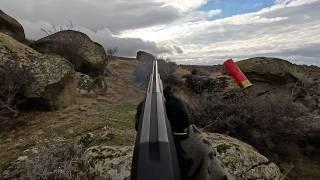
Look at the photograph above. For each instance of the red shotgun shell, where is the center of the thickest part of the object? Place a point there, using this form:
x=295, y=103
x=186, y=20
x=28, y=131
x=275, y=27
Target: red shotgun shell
x=234, y=71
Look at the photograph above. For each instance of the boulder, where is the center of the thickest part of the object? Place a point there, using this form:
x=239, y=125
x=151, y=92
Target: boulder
x=84, y=84
x=142, y=56
x=86, y=55
x=53, y=76
x=109, y=162
x=278, y=71
x=240, y=159
x=11, y=27
x=89, y=86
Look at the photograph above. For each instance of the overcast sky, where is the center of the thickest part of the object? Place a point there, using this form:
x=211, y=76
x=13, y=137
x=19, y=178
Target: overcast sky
x=187, y=31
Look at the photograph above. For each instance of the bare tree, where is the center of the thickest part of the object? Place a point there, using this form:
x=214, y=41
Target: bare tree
x=111, y=52
x=55, y=29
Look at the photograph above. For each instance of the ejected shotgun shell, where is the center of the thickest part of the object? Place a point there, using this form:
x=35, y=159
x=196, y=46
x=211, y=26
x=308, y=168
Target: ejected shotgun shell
x=234, y=71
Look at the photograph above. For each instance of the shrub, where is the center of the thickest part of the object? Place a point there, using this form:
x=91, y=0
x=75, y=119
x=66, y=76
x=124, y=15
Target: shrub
x=270, y=123
x=201, y=84
x=14, y=81
x=57, y=161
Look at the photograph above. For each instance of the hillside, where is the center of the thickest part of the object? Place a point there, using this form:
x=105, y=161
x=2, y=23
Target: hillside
x=113, y=112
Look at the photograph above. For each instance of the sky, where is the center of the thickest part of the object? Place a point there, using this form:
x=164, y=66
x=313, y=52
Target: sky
x=186, y=31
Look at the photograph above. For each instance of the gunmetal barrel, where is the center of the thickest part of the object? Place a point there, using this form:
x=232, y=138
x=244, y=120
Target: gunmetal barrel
x=155, y=156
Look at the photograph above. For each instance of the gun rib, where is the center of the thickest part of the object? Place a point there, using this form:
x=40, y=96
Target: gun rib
x=155, y=155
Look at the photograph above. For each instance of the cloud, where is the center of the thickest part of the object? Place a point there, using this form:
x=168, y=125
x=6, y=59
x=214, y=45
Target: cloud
x=126, y=46
x=185, y=5
x=178, y=49
x=116, y=15
x=180, y=29
x=214, y=12
x=281, y=31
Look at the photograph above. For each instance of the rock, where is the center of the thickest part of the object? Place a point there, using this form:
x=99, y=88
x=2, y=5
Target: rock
x=100, y=85
x=84, y=84
x=278, y=71
x=87, y=139
x=240, y=159
x=141, y=56
x=109, y=162
x=87, y=56
x=53, y=77
x=88, y=86
x=11, y=27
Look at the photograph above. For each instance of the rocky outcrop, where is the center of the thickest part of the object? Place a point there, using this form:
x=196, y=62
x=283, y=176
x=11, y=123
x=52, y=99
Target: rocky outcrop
x=142, y=56
x=87, y=56
x=11, y=27
x=240, y=159
x=304, y=80
x=278, y=71
x=53, y=85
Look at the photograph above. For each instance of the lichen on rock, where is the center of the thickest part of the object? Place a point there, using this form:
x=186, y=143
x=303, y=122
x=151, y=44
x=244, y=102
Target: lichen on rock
x=240, y=159
x=53, y=83
x=109, y=162
x=86, y=55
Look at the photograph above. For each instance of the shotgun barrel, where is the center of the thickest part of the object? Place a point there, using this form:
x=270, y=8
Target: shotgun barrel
x=155, y=156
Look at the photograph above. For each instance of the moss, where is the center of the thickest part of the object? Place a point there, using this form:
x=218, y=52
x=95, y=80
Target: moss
x=223, y=148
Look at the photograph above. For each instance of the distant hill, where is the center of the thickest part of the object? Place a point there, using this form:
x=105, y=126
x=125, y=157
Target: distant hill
x=123, y=58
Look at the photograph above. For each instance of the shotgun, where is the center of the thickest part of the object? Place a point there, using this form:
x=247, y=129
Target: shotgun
x=155, y=156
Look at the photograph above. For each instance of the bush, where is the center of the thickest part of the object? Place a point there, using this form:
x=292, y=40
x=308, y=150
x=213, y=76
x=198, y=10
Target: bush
x=200, y=84
x=57, y=161
x=166, y=69
x=14, y=81
x=270, y=123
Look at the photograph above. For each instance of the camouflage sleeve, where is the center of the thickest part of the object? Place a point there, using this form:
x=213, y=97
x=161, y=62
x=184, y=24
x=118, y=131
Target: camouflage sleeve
x=204, y=163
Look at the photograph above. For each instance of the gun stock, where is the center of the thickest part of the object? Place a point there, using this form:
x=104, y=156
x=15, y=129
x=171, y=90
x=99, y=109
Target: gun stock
x=155, y=156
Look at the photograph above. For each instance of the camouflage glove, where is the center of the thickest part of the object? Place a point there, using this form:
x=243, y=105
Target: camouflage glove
x=203, y=163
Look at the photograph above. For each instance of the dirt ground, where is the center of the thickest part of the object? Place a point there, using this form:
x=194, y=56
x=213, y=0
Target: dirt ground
x=115, y=111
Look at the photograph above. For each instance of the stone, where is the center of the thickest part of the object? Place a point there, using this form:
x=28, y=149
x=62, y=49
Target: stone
x=278, y=71
x=11, y=27
x=87, y=86
x=84, y=84
x=53, y=76
x=87, y=139
x=86, y=55
x=240, y=159
x=142, y=56
x=109, y=162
